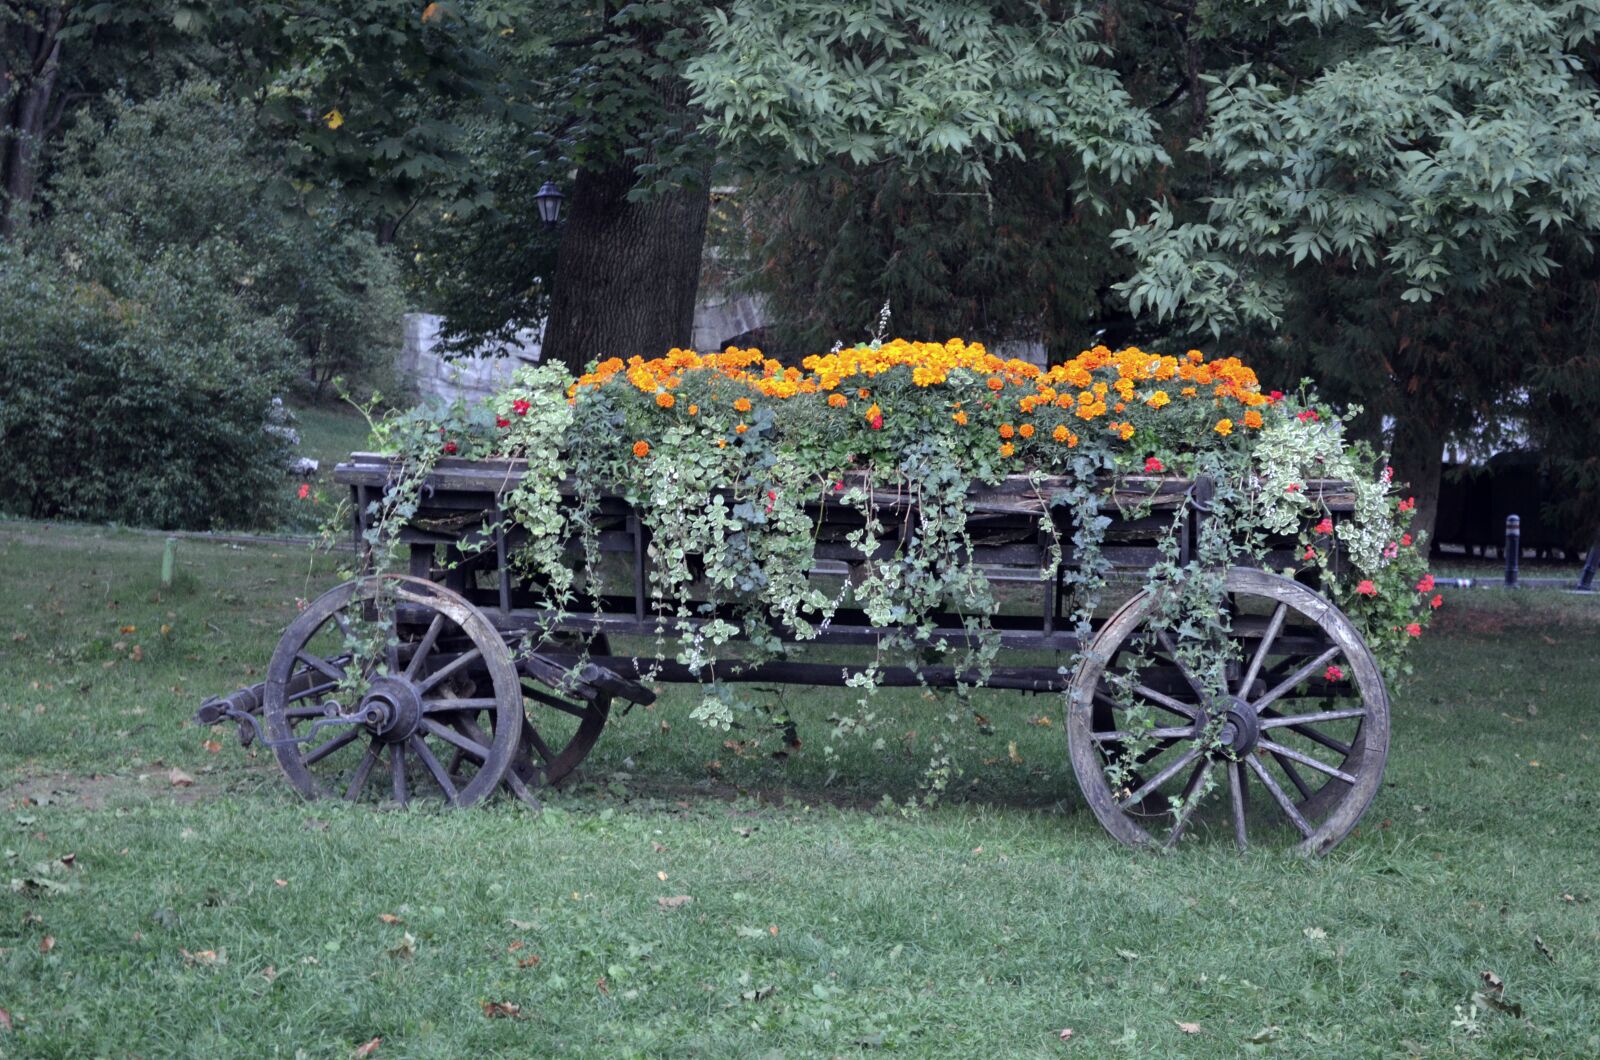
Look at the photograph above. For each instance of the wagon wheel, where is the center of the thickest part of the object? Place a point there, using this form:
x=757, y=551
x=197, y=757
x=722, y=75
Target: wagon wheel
x=1294, y=747
x=435, y=685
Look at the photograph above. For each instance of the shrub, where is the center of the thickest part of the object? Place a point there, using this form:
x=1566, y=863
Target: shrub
x=145, y=402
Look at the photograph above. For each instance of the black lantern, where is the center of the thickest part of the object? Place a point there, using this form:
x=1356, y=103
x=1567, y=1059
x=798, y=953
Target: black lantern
x=549, y=200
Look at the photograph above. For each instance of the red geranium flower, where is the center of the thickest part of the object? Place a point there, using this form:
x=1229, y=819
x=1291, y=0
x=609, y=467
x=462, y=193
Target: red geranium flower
x=876, y=423
x=1366, y=588
x=1414, y=629
x=521, y=407
x=1408, y=504
x=1437, y=601
x=1405, y=539
x=1308, y=416
x=501, y=421
x=1426, y=584
x=1275, y=397
x=1152, y=466
x=1293, y=487
x=1325, y=527
x=1333, y=673
x=305, y=490
x=449, y=448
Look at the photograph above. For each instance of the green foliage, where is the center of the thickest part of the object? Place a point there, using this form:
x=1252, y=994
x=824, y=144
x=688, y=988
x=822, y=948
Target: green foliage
x=144, y=402
x=184, y=177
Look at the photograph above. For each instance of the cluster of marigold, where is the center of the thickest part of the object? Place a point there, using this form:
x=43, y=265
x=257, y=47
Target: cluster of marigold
x=1097, y=390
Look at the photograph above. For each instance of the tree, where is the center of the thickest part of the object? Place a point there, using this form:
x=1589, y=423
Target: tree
x=1383, y=188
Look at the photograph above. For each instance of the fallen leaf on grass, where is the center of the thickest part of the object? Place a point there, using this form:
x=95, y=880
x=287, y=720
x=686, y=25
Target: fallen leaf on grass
x=269, y=973
x=204, y=958
x=531, y=961
x=1011, y=753
x=677, y=901
x=47, y=944
x=515, y=946
x=390, y=918
x=1189, y=1028
x=281, y=883
x=497, y=1010
x=662, y=876
x=1495, y=1002
x=367, y=1049
x=179, y=779
x=1492, y=981
x=211, y=745
x=1065, y=1034
x=1264, y=1035
x=407, y=948
x=137, y=655
x=1315, y=934
x=659, y=848
x=126, y=630
x=749, y=933
x=1544, y=951
x=760, y=993
x=1127, y=955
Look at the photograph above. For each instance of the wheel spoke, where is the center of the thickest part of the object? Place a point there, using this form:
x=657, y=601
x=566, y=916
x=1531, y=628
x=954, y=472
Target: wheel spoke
x=1151, y=734
x=321, y=665
x=1295, y=678
x=364, y=770
x=1160, y=699
x=346, y=737
x=1294, y=776
x=1263, y=648
x=1284, y=802
x=538, y=744
x=1191, y=799
x=1160, y=778
x=581, y=713
x=449, y=668
x=1238, y=796
x=438, y=706
x=1271, y=719
x=397, y=767
x=450, y=736
x=424, y=646
x=311, y=690
x=1281, y=752
x=439, y=773
x=1188, y=675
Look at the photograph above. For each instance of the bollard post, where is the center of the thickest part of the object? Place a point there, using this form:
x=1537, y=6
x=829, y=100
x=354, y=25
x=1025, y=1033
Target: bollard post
x=1513, y=549
x=169, y=561
x=1586, y=579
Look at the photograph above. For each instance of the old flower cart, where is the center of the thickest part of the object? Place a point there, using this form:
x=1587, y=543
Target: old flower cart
x=473, y=680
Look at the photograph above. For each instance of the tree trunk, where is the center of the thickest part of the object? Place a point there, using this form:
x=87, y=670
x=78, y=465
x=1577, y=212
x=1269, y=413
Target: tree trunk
x=22, y=120
x=627, y=272
x=1418, y=461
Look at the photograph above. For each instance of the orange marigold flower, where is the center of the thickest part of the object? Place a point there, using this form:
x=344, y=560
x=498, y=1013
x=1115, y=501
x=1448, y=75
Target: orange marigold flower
x=741, y=428
x=1026, y=430
x=665, y=400
x=641, y=449
x=722, y=443
x=694, y=410
x=1224, y=427
x=1252, y=419
x=960, y=418
x=996, y=383
x=1006, y=430
x=838, y=401
x=1007, y=449
x=1158, y=399
x=1060, y=434
x=863, y=393
x=1119, y=407
x=741, y=405
x=1188, y=391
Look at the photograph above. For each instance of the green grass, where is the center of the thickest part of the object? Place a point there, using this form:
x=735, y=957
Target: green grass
x=981, y=927
x=329, y=433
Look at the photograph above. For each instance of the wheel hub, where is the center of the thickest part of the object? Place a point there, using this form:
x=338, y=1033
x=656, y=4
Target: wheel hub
x=391, y=709
x=1240, y=727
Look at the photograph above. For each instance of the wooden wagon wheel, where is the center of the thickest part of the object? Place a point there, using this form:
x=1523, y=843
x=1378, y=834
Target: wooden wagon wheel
x=1294, y=747
x=439, y=686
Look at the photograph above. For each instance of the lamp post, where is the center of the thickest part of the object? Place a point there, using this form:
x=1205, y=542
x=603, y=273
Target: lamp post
x=549, y=200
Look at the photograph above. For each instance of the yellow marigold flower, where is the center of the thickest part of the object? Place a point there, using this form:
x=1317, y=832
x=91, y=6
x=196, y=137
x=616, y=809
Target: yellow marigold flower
x=960, y=418
x=1060, y=434
x=838, y=401
x=1188, y=391
x=995, y=383
x=1224, y=427
x=641, y=449
x=1252, y=419
x=741, y=428
x=1125, y=431
x=741, y=405
x=1007, y=449
x=1195, y=356
x=1006, y=430
x=665, y=400
x=1026, y=430
x=1158, y=399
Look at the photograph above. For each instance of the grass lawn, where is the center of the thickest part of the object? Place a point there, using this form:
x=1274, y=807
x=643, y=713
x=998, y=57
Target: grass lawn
x=227, y=917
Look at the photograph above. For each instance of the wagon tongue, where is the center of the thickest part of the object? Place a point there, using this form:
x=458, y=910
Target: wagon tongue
x=385, y=714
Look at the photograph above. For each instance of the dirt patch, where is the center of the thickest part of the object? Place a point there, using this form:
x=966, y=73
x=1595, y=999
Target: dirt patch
x=96, y=790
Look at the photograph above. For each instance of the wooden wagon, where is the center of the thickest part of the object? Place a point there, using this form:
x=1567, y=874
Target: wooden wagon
x=479, y=683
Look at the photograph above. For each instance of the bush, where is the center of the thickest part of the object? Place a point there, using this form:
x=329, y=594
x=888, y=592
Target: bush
x=145, y=402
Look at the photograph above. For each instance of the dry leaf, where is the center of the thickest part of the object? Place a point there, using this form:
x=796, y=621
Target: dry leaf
x=281, y=883
x=1065, y=1034
x=502, y=1010
x=68, y=859
x=1492, y=981
x=1264, y=1035
x=390, y=918
x=1315, y=934
x=1011, y=753
x=179, y=779
x=600, y=985
x=407, y=948
x=212, y=746
x=269, y=973
x=137, y=655
x=1188, y=1028
x=125, y=630
x=772, y=929
x=204, y=958
x=760, y=993
x=5, y=1020
x=659, y=848
x=661, y=876
x=530, y=961
x=1544, y=951
x=368, y=1048
x=47, y=944
x=430, y=12
x=675, y=902
x=515, y=946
